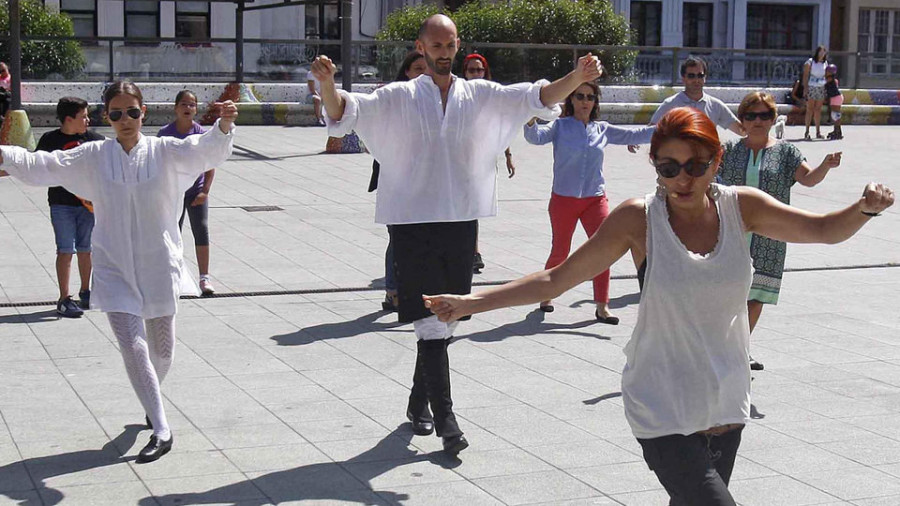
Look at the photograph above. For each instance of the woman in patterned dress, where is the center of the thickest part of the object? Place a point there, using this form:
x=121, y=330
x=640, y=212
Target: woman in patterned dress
x=773, y=166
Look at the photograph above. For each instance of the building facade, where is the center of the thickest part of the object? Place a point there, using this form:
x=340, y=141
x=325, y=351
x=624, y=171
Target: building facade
x=729, y=26
x=869, y=26
x=135, y=19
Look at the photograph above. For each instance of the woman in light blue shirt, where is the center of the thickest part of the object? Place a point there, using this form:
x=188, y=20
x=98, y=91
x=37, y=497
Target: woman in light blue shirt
x=579, y=191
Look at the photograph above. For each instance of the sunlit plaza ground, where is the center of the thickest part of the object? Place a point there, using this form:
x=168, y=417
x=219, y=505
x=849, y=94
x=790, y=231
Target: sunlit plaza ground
x=300, y=396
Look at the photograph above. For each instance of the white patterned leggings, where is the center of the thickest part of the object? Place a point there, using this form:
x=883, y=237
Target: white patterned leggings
x=148, y=357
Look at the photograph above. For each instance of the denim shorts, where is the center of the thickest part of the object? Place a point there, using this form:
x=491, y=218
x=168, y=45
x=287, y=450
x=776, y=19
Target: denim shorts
x=72, y=226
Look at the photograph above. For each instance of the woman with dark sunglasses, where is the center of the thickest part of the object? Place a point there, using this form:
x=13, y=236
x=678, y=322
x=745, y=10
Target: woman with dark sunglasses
x=761, y=161
x=579, y=188
x=137, y=186
x=686, y=384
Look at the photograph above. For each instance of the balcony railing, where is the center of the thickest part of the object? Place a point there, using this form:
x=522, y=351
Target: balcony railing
x=215, y=60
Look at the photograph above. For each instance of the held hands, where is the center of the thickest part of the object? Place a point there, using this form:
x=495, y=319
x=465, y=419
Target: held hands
x=227, y=114
x=875, y=199
x=447, y=307
x=588, y=68
x=323, y=69
x=832, y=160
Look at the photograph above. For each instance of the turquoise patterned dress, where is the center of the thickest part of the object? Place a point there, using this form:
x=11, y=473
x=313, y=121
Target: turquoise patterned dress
x=772, y=171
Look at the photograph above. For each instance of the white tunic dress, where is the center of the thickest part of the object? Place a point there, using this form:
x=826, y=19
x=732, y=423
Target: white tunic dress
x=138, y=196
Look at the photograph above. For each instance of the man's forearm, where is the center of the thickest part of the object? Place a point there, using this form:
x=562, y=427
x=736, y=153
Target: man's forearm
x=558, y=90
x=334, y=104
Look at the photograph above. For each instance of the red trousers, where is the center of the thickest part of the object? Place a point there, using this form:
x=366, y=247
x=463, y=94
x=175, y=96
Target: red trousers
x=564, y=215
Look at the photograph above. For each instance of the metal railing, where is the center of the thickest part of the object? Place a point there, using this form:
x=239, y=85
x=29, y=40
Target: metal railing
x=176, y=59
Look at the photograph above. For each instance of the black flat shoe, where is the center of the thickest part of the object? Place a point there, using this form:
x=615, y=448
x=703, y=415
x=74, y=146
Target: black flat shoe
x=420, y=427
x=609, y=320
x=155, y=449
x=547, y=308
x=454, y=445
x=756, y=366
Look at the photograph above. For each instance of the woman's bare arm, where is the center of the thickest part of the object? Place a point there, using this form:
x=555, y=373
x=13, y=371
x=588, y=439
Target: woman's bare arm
x=612, y=240
x=764, y=215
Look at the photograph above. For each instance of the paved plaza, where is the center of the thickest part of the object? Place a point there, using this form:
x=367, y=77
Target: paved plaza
x=295, y=393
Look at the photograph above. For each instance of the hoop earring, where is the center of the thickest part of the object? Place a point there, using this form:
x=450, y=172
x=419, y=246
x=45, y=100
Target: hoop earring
x=661, y=191
x=714, y=191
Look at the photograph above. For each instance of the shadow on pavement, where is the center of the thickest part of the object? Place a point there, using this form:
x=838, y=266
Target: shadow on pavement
x=41, y=468
x=596, y=400
x=321, y=481
x=531, y=325
x=350, y=328
x=615, y=302
x=40, y=316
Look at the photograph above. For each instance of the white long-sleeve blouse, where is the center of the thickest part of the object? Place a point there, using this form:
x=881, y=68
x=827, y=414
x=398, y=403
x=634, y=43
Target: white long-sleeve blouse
x=137, y=250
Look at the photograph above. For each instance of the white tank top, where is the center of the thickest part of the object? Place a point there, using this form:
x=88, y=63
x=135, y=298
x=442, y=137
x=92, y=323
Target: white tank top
x=816, y=73
x=687, y=363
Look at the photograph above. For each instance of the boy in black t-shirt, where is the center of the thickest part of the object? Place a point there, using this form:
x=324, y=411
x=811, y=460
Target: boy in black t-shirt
x=72, y=217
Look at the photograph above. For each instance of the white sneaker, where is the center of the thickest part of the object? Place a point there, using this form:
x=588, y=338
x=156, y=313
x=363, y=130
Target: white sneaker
x=206, y=287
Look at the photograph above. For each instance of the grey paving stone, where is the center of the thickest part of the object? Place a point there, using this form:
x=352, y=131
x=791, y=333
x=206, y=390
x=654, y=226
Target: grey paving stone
x=440, y=494
x=260, y=375
x=357, y=427
x=254, y=436
x=582, y=454
x=803, y=459
x=19, y=498
x=396, y=446
x=536, y=487
x=777, y=490
x=618, y=478
x=850, y=483
x=484, y=464
x=185, y=464
x=100, y=494
x=232, y=488
x=280, y=457
x=878, y=501
x=312, y=482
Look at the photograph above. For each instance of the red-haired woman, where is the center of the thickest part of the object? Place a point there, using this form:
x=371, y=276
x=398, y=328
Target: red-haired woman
x=685, y=385
x=475, y=66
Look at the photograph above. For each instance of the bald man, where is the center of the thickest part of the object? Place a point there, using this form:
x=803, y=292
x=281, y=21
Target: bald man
x=437, y=138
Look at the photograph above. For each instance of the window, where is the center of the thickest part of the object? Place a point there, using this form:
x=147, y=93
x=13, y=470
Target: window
x=323, y=22
x=779, y=26
x=83, y=14
x=697, y=24
x=864, y=30
x=646, y=21
x=141, y=18
x=879, y=33
x=192, y=20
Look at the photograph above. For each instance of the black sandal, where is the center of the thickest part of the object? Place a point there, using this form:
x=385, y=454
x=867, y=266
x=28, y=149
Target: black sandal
x=609, y=320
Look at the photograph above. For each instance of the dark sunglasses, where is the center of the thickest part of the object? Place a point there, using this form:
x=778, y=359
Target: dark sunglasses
x=765, y=116
x=589, y=97
x=133, y=113
x=691, y=75
x=694, y=168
